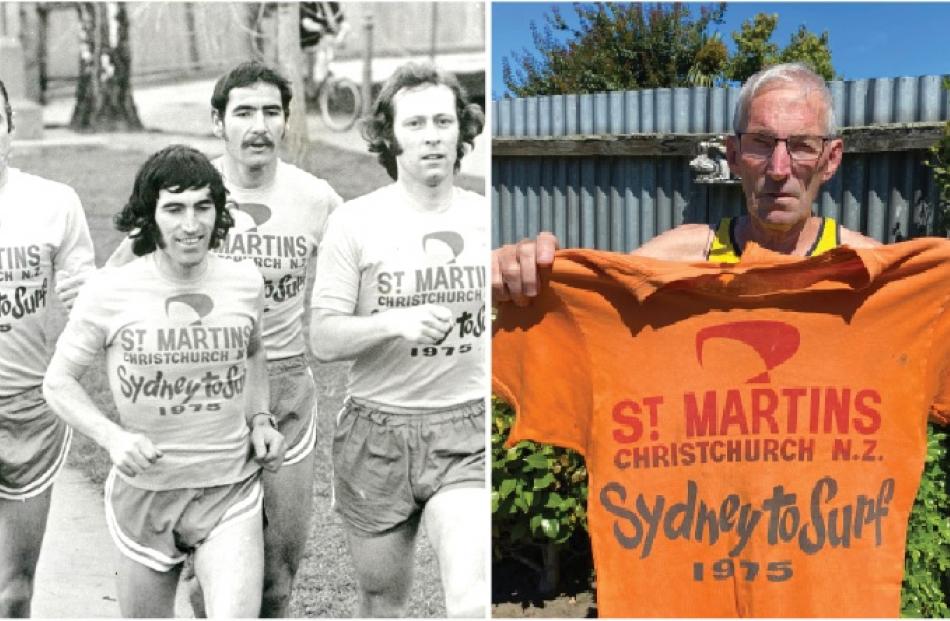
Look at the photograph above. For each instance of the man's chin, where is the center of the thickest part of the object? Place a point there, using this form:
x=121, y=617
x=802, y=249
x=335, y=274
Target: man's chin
x=777, y=218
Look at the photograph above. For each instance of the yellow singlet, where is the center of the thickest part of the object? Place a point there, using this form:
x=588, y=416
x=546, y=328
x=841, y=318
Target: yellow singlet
x=724, y=248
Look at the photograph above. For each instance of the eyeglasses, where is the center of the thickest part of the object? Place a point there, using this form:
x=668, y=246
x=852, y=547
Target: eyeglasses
x=805, y=149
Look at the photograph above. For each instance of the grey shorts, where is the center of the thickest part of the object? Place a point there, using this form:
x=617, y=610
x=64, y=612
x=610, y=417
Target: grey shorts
x=386, y=466
x=160, y=528
x=293, y=401
x=34, y=443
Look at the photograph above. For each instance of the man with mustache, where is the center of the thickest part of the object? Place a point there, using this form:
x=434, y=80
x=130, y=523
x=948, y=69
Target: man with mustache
x=784, y=148
x=250, y=110
x=280, y=213
x=43, y=235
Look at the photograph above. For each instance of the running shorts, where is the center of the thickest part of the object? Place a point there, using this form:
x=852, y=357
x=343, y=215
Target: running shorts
x=387, y=465
x=293, y=403
x=159, y=529
x=34, y=443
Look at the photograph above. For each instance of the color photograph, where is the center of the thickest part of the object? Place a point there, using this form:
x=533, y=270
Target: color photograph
x=719, y=277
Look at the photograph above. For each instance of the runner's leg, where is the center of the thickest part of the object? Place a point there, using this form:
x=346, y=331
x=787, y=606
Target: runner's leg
x=22, y=525
x=383, y=566
x=288, y=504
x=230, y=567
x=456, y=522
x=145, y=592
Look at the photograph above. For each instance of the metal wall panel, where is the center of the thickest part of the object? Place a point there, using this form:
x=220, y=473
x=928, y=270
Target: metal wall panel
x=618, y=203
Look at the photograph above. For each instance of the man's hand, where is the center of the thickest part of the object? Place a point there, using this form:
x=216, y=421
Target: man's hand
x=427, y=324
x=516, y=268
x=67, y=287
x=132, y=453
x=268, y=443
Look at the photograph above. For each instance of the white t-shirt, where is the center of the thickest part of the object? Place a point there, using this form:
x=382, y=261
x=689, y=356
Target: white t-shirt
x=380, y=253
x=176, y=360
x=288, y=218
x=43, y=232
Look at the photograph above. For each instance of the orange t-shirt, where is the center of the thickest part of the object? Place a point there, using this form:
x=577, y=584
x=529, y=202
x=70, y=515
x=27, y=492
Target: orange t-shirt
x=754, y=433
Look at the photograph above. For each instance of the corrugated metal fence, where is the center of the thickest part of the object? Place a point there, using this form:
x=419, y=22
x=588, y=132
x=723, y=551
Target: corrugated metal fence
x=619, y=202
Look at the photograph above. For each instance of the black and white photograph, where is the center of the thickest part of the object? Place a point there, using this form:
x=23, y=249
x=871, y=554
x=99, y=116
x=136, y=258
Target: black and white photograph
x=243, y=310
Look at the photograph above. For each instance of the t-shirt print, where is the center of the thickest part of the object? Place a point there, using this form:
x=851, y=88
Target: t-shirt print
x=754, y=433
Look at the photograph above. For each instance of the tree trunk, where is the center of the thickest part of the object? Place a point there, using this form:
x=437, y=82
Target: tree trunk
x=30, y=42
x=42, y=50
x=104, y=92
x=291, y=61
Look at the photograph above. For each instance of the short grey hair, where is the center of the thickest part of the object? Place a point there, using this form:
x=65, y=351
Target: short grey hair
x=797, y=74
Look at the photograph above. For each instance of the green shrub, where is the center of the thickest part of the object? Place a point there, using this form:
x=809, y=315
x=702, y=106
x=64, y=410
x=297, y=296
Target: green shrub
x=927, y=560
x=939, y=163
x=539, y=492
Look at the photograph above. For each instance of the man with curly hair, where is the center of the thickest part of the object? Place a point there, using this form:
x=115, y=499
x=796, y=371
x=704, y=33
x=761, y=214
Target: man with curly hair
x=400, y=291
x=181, y=331
x=281, y=212
x=43, y=236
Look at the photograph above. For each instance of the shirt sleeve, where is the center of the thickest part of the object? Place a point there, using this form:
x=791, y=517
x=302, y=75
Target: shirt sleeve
x=541, y=367
x=75, y=254
x=256, y=342
x=337, y=282
x=85, y=333
x=333, y=200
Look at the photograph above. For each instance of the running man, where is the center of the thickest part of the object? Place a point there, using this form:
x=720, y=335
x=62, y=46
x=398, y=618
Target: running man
x=281, y=212
x=400, y=290
x=43, y=236
x=181, y=331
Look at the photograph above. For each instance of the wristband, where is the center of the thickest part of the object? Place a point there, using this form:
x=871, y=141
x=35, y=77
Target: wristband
x=271, y=419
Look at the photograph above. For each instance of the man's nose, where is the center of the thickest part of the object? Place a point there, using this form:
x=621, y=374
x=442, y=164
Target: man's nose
x=431, y=133
x=258, y=123
x=190, y=223
x=780, y=163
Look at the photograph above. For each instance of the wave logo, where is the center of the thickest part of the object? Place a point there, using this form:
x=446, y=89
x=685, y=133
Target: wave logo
x=259, y=213
x=773, y=341
x=442, y=247
x=188, y=308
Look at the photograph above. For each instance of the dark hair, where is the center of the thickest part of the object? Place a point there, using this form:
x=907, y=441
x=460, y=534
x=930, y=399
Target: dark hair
x=247, y=74
x=7, y=108
x=377, y=128
x=175, y=167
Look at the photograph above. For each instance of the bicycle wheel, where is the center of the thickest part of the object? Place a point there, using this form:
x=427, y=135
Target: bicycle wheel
x=340, y=103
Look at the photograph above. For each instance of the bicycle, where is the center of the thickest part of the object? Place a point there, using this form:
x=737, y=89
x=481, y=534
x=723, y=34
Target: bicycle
x=340, y=101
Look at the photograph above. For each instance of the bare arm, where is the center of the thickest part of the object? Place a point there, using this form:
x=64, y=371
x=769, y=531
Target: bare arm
x=339, y=336
x=517, y=269
x=857, y=240
x=268, y=443
x=307, y=318
x=687, y=242
x=132, y=453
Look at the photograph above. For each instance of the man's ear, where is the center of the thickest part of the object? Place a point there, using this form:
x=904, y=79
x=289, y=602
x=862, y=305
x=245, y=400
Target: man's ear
x=217, y=124
x=835, y=154
x=732, y=150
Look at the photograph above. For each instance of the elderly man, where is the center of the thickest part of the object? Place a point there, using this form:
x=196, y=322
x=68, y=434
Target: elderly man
x=784, y=148
x=43, y=235
x=399, y=290
x=751, y=413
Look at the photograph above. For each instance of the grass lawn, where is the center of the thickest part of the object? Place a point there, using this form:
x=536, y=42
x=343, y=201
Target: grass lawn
x=103, y=179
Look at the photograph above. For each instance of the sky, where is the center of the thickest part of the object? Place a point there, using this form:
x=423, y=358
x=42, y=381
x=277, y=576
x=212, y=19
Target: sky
x=868, y=39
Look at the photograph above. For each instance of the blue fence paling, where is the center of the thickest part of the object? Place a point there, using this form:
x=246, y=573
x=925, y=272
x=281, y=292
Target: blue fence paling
x=619, y=202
